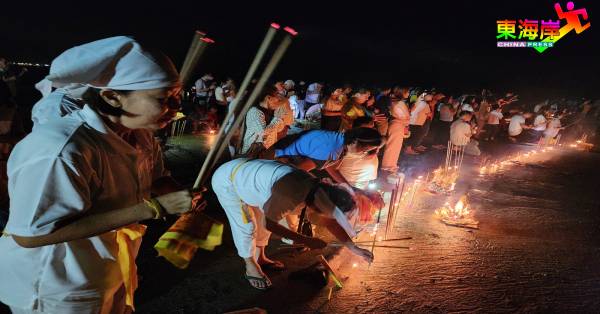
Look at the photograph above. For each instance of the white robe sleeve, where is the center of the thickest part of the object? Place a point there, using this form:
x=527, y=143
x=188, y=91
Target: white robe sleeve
x=46, y=191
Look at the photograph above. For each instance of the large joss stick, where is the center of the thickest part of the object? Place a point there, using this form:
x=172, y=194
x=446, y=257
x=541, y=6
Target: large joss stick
x=213, y=153
x=195, y=41
x=194, y=229
x=197, y=48
x=237, y=105
x=219, y=147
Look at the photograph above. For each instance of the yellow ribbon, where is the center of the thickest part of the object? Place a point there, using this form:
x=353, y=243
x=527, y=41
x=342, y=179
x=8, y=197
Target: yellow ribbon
x=126, y=258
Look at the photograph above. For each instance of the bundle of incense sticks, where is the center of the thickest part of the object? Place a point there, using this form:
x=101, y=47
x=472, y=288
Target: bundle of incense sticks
x=194, y=229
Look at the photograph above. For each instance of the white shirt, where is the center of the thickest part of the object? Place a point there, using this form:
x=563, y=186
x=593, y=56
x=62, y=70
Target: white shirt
x=200, y=84
x=495, y=117
x=515, y=128
x=65, y=167
x=539, y=124
x=358, y=169
x=460, y=133
x=312, y=94
x=418, y=116
x=553, y=128
x=293, y=100
x=253, y=180
x=399, y=111
x=219, y=94
x=467, y=107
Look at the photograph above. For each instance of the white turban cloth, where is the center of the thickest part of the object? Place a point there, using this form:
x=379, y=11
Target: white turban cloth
x=118, y=63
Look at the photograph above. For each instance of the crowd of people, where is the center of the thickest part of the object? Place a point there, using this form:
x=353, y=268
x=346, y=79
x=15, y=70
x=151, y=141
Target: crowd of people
x=92, y=168
x=412, y=120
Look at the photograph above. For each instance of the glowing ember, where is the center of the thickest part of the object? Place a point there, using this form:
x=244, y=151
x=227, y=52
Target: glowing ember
x=483, y=170
x=458, y=215
x=354, y=265
x=578, y=141
x=212, y=132
x=573, y=145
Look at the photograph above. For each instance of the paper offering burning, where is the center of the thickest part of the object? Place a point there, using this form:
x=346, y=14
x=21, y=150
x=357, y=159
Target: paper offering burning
x=458, y=215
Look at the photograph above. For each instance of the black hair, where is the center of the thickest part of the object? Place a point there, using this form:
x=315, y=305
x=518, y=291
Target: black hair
x=92, y=97
x=363, y=137
x=268, y=90
x=360, y=121
x=340, y=197
x=495, y=107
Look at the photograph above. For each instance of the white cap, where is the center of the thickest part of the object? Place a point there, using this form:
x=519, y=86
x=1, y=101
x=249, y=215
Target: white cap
x=118, y=63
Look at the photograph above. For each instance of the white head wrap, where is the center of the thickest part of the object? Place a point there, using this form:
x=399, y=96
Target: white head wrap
x=118, y=63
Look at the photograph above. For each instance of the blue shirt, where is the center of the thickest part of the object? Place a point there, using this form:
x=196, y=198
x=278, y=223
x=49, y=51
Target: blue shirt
x=315, y=144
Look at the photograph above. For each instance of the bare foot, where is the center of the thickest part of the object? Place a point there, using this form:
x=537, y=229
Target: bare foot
x=268, y=263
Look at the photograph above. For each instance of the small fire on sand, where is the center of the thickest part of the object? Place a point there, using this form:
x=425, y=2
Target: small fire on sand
x=458, y=215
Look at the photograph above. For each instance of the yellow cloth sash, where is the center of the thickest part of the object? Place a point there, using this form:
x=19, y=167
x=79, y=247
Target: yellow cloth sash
x=128, y=248
x=245, y=215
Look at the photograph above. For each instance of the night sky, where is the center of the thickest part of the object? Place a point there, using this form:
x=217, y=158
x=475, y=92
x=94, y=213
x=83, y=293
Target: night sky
x=449, y=45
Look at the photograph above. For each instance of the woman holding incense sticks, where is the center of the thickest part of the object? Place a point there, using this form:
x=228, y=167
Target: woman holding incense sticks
x=81, y=181
x=256, y=194
x=264, y=121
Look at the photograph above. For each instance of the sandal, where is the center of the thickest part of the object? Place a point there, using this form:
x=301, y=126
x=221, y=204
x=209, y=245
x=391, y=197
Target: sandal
x=263, y=280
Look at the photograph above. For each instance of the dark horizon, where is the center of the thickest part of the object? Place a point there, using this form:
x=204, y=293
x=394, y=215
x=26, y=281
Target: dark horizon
x=449, y=46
